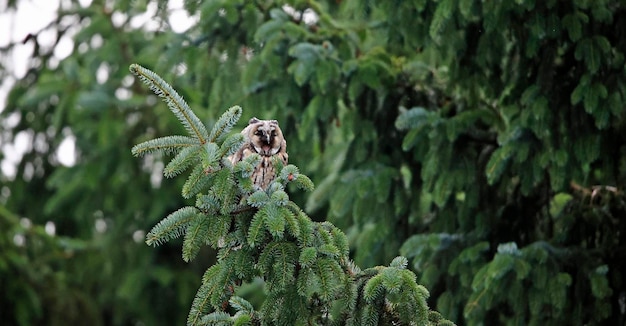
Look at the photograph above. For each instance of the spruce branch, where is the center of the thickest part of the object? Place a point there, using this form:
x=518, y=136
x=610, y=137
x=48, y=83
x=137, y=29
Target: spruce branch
x=182, y=161
x=175, y=102
x=225, y=123
x=201, y=304
x=255, y=233
x=231, y=144
x=218, y=229
x=217, y=318
x=241, y=304
x=195, y=236
x=274, y=222
x=167, y=145
x=171, y=227
x=291, y=223
x=197, y=181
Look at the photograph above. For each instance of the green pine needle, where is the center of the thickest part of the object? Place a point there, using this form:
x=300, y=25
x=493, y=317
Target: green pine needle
x=241, y=304
x=304, y=282
x=218, y=229
x=284, y=256
x=167, y=145
x=303, y=182
x=175, y=102
x=195, y=235
x=224, y=188
x=373, y=289
x=274, y=221
x=369, y=316
x=225, y=123
x=171, y=227
x=307, y=257
x=255, y=232
x=290, y=173
x=217, y=318
x=399, y=262
x=258, y=198
x=391, y=280
x=197, y=181
x=329, y=250
x=201, y=303
x=244, y=168
x=330, y=274
x=231, y=144
x=279, y=198
x=207, y=203
x=182, y=161
x=291, y=222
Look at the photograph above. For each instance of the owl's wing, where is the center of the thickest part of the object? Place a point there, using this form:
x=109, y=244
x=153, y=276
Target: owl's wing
x=283, y=151
x=236, y=156
x=284, y=157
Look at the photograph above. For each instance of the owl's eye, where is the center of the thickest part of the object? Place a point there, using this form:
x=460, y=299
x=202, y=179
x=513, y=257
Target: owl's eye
x=258, y=133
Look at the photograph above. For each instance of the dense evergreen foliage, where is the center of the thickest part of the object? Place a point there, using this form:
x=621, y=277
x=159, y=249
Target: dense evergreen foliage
x=482, y=140
x=258, y=232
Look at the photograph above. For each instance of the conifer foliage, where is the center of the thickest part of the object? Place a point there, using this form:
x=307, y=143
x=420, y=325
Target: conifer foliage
x=482, y=140
x=261, y=233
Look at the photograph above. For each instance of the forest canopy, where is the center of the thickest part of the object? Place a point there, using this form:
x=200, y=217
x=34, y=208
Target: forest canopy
x=483, y=141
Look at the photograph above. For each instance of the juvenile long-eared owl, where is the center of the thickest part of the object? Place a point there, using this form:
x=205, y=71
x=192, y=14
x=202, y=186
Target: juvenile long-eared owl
x=265, y=138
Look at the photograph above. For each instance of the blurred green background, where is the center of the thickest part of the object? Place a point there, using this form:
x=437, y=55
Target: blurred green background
x=483, y=140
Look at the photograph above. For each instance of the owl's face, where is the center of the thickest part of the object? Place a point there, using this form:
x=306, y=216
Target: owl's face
x=265, y=136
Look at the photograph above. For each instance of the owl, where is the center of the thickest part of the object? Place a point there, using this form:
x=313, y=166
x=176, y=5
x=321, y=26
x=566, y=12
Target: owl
x=265, y=138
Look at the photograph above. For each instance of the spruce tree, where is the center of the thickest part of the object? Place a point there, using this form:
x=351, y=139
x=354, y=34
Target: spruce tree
x=309, y=277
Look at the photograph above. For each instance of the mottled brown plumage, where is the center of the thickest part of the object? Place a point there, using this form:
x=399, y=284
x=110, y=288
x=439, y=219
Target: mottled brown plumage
x=265, y=138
